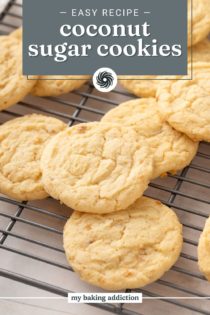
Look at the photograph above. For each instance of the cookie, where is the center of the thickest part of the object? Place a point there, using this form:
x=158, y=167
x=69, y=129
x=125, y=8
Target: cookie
x=199, y=19
x=125, y=249
x=201, y=51
x=21, y=143
x=185, y=104
x=204, y=250
x=145, y=86
x=46, y=86
x=13, y=85
x=97, y=167
x=172, y=150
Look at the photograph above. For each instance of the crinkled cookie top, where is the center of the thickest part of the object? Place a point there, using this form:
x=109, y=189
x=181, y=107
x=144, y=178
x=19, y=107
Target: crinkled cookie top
x=21, y=144
x=125, y=249
x=172, y=150
x=185, y=104
x=97, y=167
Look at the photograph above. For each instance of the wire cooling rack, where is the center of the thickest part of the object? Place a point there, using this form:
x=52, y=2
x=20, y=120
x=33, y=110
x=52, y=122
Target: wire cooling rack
x=31, y=233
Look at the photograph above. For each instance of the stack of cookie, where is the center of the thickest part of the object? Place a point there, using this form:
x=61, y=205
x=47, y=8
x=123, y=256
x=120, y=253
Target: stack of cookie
x=14, y=86
x=115, y=238
x=101, y=170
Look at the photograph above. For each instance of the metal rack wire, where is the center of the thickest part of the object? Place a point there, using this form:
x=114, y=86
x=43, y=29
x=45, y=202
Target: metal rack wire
x=31, y=233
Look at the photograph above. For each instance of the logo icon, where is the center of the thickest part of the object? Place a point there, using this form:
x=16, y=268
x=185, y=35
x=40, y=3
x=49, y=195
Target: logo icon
x=105, y=80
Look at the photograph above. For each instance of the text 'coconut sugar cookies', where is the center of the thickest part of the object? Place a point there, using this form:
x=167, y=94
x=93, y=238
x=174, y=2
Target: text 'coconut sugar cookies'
x=97, y=167
x=21, y=144
x=171, y=149
x=185, y=104
x=125, y=249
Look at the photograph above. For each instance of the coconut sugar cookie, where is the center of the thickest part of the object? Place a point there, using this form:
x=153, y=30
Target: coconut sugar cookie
x=21, y=143
x=201, y=20
x=201, y=51
x=13, y=85
x=172, y=150
x=97, y=167
x=125, y=249
x=46, y=86
x=146, y=86
x=204, y=250
x=185, y=104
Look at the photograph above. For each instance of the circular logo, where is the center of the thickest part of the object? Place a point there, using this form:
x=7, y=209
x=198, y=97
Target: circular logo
x=105, y=80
